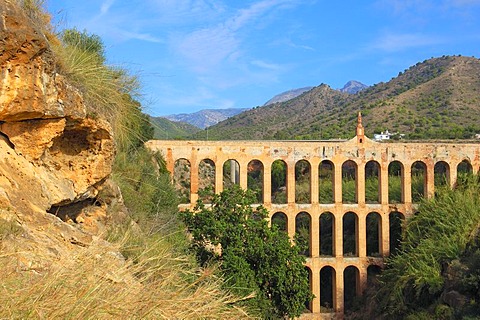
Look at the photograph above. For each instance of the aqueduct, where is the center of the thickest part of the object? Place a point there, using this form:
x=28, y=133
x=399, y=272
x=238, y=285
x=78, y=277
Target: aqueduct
x=348, y=196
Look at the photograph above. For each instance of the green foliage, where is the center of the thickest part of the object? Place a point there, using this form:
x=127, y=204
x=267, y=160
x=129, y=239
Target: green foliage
x=253, y=257
x=91, y=43
x=441, y=232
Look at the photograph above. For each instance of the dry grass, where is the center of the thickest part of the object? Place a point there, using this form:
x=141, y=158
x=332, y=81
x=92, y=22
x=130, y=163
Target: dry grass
x=95, y=284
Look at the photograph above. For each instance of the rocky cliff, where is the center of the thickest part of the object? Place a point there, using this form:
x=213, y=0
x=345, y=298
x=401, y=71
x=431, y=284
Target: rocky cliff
x=54, y=159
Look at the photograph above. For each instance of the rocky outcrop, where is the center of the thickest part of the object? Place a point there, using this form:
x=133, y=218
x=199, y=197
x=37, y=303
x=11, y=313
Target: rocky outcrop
x=54, y=160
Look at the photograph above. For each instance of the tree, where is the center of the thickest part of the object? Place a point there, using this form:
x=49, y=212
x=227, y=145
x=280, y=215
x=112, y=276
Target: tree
x=252, y=256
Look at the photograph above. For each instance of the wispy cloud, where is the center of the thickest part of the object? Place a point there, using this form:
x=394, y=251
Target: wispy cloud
x=397, y=42
x=106, y=6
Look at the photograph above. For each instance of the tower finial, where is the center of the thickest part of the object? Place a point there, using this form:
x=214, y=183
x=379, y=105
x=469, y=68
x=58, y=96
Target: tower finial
x=360, y=130
x=359, y=120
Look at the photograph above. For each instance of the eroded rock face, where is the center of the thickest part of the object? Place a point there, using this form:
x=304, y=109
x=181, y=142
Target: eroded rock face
x=51, y=154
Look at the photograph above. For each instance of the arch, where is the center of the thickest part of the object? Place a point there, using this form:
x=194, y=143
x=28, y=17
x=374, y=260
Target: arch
x=396, y=220
x=464, y=167
x=326, y=182
x=303, y=229
x=302, y=182
x=374, y=234
x=441, y=174
x=206, y=180
x=350, y=234
x=395, y=182
x=372, y=182
x=373, y=271
x=419, y=181
x=349, y=182
x=327, y=234
x=280, y=220
x=279, y=181
x=231, y=173
x=181, y=179
x=255, y=179
x=327, y=289
x=308, y=303
x=351, y=286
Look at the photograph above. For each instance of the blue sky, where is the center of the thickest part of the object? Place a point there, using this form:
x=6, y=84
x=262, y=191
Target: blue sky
x=197, y=54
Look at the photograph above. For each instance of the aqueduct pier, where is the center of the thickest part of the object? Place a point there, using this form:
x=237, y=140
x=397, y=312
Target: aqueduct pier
x=344, y=250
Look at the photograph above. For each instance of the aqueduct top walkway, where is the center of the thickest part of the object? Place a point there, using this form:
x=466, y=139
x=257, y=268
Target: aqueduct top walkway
x=342, y=254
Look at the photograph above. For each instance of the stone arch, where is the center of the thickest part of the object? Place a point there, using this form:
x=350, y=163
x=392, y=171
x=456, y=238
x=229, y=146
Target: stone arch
x=327, y=234
x=464, y=167
x=303, y=228
x=308, y=303
x=349, y=182
x=326, y=182
x=255, y=179
x=350, y=234
x=327, y=289
x=206, y=180
x=279, y=181
x=231, y=173
x=395, y=182
x=303, y=182
x=181, y=179
x=441, y=174
x=372, y=182
x=373, y=271
x=351, y=286
x=419, y=181
x=396, y=220
x=280, y=219
x=374, y=234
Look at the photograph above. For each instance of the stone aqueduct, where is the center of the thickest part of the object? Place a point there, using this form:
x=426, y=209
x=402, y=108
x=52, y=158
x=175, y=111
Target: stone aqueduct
x=347, y=273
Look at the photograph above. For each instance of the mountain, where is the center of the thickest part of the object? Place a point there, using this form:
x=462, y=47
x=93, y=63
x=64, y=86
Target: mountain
x=205, y=118
x=435, y=99
x=167, y=129
x=353, y=87
x=287, y=95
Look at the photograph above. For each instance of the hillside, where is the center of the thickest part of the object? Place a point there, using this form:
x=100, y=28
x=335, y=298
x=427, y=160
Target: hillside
x=205, y=118
x=167, y=129
x=287, y=95
x=437, y=98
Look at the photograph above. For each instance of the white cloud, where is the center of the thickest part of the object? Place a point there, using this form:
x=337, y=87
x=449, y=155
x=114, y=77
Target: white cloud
x=106, y=6
x=398, y=42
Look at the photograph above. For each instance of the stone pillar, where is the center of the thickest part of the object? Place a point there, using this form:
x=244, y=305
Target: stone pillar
x=383, y=180
x=453, y=175
x=243, y=175
x=339, y=302
x=170, y=162
x=360, y=183
x=315, y=235
x=218, y=176
x=339, y=235
x=290, y=224
x=385, y=234
x=361, y=234
x=315, y=285
x=193, y=179
x=430, y=179
x=314, y=182
x=291, y=182
x=267, y=183
x=337, y=185
x=363, y=277
x=407, y=183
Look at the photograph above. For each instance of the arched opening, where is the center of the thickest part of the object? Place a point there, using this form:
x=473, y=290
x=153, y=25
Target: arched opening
x=231, y=173
x=181, y=179
x=372, y=182
x=206, y=180
x=255, y=179
x=308, y=303
x=326, y=182
x=279, y=182
x=327, y=289
x=419, y=181
x=350, y=234
x=441, y=174
x=351, y=285
x=395, y=230
x=327, y=234
x=373, y=271
x=280, y=220
x=395, y=182
x=464, y=167
x=302, y=182
x=303, y=231
x=374, y=231
x=349, y=182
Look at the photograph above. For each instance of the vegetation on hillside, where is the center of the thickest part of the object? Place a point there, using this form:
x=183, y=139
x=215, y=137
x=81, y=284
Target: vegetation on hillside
x=435, y=275
x=166, y=129
x=254, y=257
x=434, y=99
